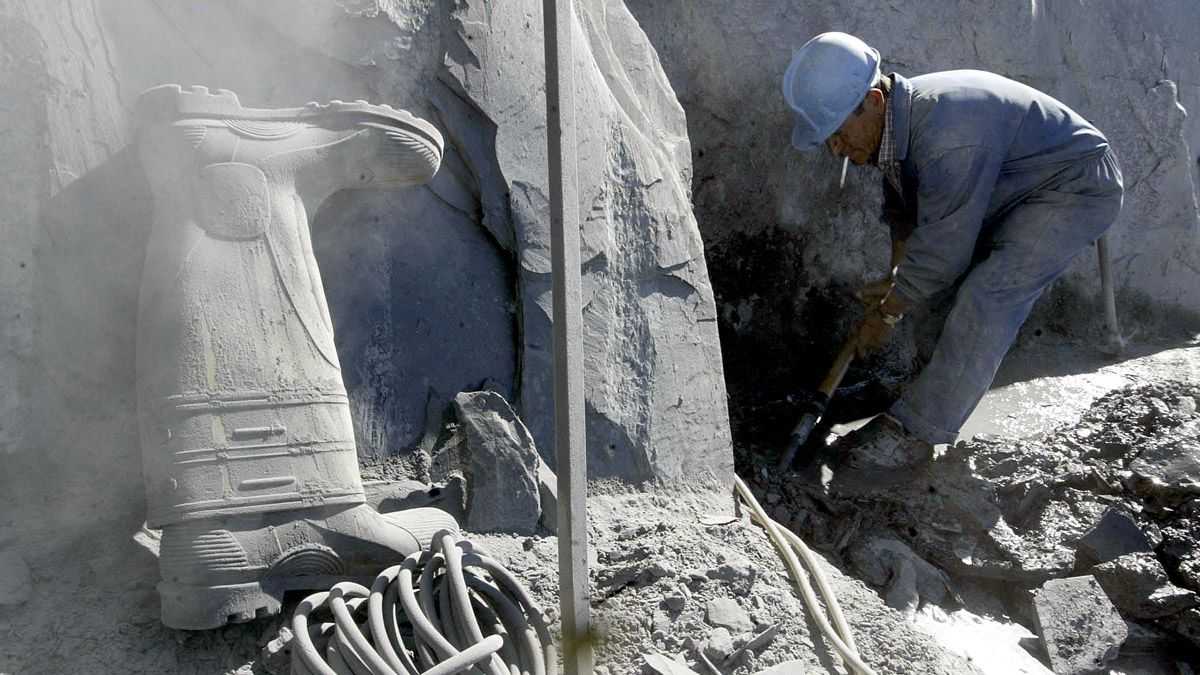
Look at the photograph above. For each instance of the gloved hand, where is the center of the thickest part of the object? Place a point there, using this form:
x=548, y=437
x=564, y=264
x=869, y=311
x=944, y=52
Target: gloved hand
x=872, y=293
x=883, y=309
x=870, y=332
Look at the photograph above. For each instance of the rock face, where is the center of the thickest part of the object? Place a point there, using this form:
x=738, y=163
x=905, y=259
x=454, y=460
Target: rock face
x=787, y=248
x=431, y=290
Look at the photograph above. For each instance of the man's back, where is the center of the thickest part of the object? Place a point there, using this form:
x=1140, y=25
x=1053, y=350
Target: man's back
x=1021, y=126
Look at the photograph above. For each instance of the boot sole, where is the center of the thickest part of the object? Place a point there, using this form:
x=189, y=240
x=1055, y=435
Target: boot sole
x=169, y=102
x=187, y=607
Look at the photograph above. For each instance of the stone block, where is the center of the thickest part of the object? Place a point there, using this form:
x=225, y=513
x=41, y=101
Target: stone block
x=1079, y=626
x=500, y=465
x=1137, y=584
x=1116, y=534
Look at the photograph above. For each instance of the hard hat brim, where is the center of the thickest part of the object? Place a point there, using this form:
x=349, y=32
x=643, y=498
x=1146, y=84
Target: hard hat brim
x=803, y=138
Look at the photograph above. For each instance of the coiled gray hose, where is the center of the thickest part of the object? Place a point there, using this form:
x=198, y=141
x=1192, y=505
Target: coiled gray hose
x=461, y=621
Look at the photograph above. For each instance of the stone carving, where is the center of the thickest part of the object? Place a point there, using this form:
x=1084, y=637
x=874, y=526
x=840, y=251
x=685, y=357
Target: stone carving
x=248, y=450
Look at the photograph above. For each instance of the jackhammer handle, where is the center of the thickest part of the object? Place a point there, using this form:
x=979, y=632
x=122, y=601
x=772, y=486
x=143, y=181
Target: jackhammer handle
x=834, y=377
x=810, y=418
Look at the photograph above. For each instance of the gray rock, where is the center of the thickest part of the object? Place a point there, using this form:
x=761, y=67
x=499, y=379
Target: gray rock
x=739, y=575
x=1169, y=472
x=276, y=656
x=719, y=645
x=16, y=583
x=785, y=668
x=548, y=495
x=501, y=466
x=655, y=388
x=1186, y=624
x=1078, y=625
x=882, y=562
x=1116, y=534
x=902, y=592
x=1189, y=570
x=1137, y=584
x=728, y=613
x=675, y=602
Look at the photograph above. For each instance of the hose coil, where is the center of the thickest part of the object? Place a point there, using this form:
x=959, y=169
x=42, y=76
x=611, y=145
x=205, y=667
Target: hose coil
x=447, y=610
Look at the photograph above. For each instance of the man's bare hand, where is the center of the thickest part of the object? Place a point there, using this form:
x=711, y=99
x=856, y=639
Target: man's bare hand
x=873, y=293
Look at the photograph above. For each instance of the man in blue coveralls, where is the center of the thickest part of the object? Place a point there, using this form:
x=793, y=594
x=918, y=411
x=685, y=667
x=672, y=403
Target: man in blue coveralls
x=991, y=188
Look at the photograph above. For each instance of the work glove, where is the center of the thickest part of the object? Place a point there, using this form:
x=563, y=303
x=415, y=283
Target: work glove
x=874, y=293
x=871, y=331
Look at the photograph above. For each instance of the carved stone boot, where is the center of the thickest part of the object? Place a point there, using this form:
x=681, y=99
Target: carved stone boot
x=248, y=452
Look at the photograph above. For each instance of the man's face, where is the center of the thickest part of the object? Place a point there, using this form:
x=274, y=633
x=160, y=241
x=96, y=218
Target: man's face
x=859, y=136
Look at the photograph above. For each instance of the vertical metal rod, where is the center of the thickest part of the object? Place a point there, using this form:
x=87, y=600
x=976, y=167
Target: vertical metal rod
x=1115, y=341
x=570, y=450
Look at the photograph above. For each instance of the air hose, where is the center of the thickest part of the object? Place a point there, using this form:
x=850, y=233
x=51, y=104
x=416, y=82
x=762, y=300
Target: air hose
x=443, y=611
x=789, y=545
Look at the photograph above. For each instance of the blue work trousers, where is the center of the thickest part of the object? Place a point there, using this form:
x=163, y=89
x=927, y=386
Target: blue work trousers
x=1018, y=255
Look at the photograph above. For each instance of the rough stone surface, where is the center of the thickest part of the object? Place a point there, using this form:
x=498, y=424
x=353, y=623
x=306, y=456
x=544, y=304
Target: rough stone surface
x=652, y=359
x=16, y=583
x=500, y=465
x=1138, y=585
x=1079, y=627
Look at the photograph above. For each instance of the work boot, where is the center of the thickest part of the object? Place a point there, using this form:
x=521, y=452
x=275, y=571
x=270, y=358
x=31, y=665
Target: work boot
x=248, y=450
x=878, y=456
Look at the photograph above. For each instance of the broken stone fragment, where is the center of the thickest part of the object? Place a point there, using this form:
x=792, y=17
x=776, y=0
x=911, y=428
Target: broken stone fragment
x=1186, y=624
x=1137, y=584
x=739, y=575
x=276, y=656
x=728, y=613
x=1189, y=570
x=719, y=645
x=1115, y=535
x=501, y=466
x=882, y=561
x=1169, y=472
x=1079, y=626
x=785, y=668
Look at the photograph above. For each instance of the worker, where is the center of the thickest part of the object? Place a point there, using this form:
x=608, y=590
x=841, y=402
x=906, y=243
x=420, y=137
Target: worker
x=991, y=189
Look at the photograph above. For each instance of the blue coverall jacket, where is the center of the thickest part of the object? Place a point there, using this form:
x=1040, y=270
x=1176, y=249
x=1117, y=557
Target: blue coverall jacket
x=1001, y=187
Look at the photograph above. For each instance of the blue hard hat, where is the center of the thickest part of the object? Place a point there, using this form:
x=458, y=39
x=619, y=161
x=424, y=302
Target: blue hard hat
x=825, y=82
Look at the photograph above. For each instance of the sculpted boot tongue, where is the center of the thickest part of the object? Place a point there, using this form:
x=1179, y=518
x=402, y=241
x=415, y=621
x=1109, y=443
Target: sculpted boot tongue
x=249, y=457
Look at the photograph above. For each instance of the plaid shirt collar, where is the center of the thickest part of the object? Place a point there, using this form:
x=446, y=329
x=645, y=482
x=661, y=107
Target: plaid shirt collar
x=887, y=161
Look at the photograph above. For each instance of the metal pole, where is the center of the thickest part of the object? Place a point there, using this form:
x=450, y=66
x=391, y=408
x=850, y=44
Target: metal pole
x=570, y=448
x=1115, y=345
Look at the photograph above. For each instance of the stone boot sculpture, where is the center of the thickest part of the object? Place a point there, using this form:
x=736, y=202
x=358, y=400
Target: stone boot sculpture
x=249, y=456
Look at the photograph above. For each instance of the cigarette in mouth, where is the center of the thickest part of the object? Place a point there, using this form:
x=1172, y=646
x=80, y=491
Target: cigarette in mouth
x=845, y=163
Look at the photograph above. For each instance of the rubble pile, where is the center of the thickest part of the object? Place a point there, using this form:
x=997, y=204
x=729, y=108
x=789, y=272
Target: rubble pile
x=676, y=577
x=1110, y=499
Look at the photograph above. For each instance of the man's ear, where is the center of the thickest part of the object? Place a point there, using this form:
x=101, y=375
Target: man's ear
x=874, y=99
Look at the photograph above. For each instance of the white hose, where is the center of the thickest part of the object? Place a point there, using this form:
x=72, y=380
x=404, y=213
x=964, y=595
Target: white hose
x=789, y=545
x=365, y=637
